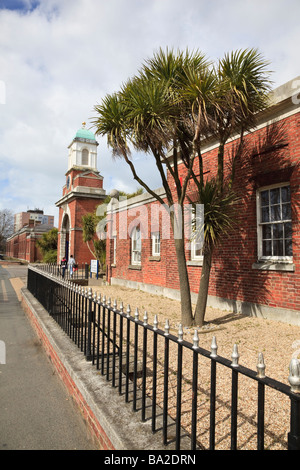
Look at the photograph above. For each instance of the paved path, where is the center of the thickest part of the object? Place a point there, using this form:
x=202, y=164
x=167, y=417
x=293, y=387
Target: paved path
x=36, y=412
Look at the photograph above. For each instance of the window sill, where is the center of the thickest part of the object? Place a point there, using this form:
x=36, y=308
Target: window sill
x=137, y=267
x=154, y=258
x=195, y=263
x=269, y=265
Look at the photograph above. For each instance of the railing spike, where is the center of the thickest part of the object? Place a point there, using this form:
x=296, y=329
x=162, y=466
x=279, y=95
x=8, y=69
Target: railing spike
x=155, y=323
x=121, y=308
x=109, y=302
x=195, y=339
x=167, y=327
x=261, y=368
x=145, y=318
x=99, y=298
x=214, y=347
x=294, y=377
x=128, y=311
x=180, y=333
x=136, y=314
x=115, y=304
x=235, y=356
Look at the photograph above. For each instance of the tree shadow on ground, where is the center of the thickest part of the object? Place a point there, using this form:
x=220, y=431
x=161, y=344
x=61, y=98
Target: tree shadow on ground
x=226, y=318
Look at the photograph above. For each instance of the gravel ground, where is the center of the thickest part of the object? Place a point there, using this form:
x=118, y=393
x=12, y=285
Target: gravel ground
x=278, y=342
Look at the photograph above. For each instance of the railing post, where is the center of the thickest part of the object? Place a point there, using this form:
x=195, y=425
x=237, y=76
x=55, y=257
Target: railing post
x=294, y=380
x=89, y=332
x=234, y=397
x=154, y=373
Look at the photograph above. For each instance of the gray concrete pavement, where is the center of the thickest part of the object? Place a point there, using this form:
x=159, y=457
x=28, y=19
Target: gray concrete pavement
x=36, y=413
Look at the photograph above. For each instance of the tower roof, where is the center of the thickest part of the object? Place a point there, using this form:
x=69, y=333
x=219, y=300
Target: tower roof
x=84, y=133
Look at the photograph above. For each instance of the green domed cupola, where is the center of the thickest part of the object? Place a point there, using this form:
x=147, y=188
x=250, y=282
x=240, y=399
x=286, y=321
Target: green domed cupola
x=84, y=133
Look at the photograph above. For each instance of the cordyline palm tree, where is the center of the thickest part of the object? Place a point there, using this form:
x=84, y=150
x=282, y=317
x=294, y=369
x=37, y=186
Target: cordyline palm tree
x=176, y=101
x=89, y=221
x=148, y=114
x=242, y=91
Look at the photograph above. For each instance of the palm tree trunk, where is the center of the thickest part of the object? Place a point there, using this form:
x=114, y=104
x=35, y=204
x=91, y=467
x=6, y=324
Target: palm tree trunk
x=177, y=224
x=203, y=289
x=185, y=294
x=88, y=245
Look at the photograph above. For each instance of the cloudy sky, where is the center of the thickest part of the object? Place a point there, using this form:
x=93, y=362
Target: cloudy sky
x=59, y=58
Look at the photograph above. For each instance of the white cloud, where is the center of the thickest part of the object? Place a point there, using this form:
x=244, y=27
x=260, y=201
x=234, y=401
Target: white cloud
x=59, y=59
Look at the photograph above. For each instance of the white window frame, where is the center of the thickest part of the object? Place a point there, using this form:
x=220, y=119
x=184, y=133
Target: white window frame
x=260, y=224
x=194, y=248
x=194, y=242
x=155, y=240
x=136, y=246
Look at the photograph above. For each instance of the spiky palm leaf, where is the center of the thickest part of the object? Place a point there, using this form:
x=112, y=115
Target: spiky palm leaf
x=149, y=112
x=219, y=216
x=111, y=122
x=244, y=85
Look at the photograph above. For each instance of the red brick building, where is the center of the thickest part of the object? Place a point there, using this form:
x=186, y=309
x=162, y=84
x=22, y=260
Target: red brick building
x=256, y=269
x=82, y=193
x=22, y=244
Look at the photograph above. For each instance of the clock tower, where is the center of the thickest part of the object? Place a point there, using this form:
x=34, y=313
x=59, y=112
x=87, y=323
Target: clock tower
x=82, y=193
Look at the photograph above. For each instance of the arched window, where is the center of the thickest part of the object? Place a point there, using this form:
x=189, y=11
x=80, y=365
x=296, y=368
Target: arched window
x=136, y=246
x=85, y=157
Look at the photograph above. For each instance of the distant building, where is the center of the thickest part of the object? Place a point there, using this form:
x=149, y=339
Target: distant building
x=28, y=228
x=22, y=244
x=32, y=217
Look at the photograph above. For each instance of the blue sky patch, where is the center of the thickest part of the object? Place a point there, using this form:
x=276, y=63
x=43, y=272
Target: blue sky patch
x=20, y=5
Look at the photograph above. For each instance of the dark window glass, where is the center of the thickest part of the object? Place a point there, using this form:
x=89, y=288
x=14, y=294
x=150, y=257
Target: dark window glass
x=275, y=207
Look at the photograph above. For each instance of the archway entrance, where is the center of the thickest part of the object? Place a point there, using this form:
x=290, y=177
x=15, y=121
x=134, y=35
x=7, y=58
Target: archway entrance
x=64, y=238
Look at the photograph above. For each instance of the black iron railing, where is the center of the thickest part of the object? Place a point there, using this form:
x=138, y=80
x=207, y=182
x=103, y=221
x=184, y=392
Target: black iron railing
x=145, y=362
x=79, y=271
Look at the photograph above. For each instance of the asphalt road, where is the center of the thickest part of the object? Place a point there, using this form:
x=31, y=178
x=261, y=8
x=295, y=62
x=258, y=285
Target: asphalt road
x=36, y=412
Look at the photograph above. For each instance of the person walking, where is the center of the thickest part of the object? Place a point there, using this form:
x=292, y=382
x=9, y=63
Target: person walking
x=71, y=265
x=63, y=266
